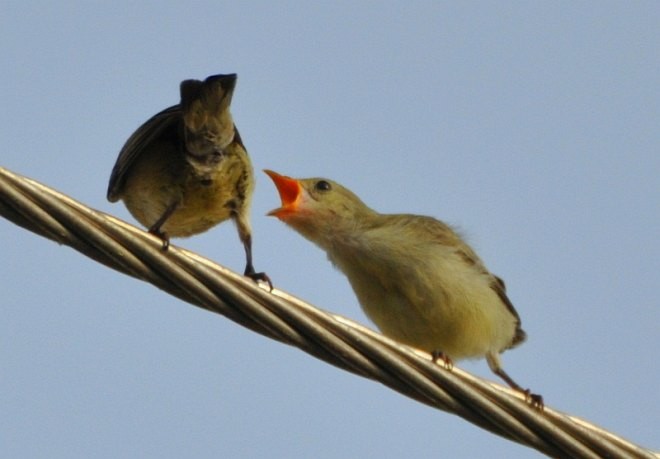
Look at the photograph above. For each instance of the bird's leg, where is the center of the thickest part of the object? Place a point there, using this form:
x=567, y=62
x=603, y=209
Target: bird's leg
x=535, y=400
x=249, y=269
x=447, y=362
x=494, y=363
x=155, y=228
x=246, y=238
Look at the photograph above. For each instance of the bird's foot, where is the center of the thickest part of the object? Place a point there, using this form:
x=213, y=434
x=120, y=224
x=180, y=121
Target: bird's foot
x=162, y=235
x=447, y=362
x=535, y=400
x=255, y=276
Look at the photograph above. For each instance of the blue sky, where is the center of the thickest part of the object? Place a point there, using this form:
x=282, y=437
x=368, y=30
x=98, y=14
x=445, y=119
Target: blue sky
x=533, y=126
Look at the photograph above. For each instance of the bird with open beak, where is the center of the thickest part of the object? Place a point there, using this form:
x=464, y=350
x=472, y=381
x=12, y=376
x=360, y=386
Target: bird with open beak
x=186, y=169
x=413, y=275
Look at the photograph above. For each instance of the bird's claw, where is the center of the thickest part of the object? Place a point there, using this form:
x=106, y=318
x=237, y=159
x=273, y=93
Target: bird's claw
x=255, y=276
x=535, y=400
x=447, y=362
x=162, y=235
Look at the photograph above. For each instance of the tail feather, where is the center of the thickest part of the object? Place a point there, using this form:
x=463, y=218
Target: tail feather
x=518, y=338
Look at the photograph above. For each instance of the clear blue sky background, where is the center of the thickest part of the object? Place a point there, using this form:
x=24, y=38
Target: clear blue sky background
x=534, y=126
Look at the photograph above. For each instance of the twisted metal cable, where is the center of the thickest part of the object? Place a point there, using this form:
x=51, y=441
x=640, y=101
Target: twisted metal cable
x=280, y=316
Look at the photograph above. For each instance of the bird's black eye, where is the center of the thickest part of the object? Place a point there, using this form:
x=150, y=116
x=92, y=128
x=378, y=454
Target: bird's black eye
x=322, y=185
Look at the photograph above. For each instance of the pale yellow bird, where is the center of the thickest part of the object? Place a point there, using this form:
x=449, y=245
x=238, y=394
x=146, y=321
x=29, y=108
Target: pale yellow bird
x=414, y=276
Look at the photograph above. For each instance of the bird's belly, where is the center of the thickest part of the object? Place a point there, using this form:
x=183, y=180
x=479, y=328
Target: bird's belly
x=459, y=329
x=199, y=208
x=198, y=213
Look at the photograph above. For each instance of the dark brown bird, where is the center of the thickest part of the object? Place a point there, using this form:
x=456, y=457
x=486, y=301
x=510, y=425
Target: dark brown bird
x=186, y=169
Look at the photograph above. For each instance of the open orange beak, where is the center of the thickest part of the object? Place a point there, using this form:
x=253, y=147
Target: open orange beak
x=290, y=193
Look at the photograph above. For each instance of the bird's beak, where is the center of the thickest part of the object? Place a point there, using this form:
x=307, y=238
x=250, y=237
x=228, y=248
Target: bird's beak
x=290, y=193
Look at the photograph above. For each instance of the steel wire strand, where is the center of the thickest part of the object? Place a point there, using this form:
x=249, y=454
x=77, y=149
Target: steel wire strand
x=280, y=316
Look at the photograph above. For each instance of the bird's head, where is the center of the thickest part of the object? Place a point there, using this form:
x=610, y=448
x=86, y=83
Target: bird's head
x=209, y=126
x=318, y=208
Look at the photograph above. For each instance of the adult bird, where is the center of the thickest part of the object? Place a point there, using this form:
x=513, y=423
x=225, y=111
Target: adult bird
x=186, y=169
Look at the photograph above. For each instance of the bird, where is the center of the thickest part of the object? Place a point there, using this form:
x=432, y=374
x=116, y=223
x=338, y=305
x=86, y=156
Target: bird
x=186, y=168
x=413, y=275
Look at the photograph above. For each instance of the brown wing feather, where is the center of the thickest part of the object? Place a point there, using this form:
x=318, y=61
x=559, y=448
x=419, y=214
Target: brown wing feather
x=500, y=289
x=158, y=125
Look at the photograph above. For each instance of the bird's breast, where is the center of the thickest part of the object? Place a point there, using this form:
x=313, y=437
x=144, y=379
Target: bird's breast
x=208, y=192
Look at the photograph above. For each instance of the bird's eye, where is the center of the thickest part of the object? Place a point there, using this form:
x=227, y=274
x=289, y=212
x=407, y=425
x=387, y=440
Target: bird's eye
x=322, y=185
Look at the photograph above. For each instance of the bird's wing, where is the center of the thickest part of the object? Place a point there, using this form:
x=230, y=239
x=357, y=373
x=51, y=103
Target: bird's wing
x=445, y=235
x=500, y=289
x=498, y=286
x=136, y=144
